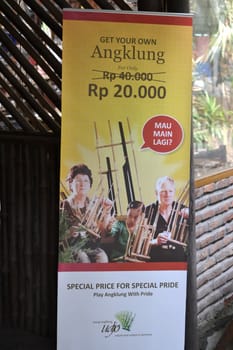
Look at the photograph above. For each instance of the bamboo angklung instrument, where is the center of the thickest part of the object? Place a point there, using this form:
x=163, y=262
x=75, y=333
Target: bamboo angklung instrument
x=134, y=159
x=126, y=168
x=178, y=223
x=63, y=193
x=115, y=171
x=139, y=243
x=127, y=174
x=111, y=189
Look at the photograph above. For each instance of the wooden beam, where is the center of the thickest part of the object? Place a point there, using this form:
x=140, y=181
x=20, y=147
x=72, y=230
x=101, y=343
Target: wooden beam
x=50, y=5
x=22, y=123
x=7, y=42
x=29, y=98
x=21, y=105
x=45, y=63
x=123, y=5
x=5, y=120
x=45, y=17
x=33, y=25
x=38, y=95
x=103, y=4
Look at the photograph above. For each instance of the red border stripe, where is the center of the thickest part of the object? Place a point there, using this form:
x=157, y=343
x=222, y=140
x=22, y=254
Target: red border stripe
x=127, y=17
x=77, y=267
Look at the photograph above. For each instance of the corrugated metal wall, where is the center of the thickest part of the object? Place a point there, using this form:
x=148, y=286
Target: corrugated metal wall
x=28, y=240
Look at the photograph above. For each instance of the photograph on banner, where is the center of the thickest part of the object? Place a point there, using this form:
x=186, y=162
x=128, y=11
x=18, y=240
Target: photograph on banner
x=125, y=151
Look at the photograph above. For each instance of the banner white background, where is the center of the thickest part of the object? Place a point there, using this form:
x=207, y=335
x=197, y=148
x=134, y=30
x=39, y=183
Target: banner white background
x=155, y=299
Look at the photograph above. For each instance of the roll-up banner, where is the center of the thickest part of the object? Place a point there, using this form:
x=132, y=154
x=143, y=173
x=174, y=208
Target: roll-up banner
x=125, y=174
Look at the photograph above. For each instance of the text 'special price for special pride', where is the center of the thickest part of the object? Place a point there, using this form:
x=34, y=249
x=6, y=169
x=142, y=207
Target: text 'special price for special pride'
x=123, y=88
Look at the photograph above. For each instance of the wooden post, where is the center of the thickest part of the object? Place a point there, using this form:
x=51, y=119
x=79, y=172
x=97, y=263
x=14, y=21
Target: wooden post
x=180, y=6
x=191, y=339
x=150, y=5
